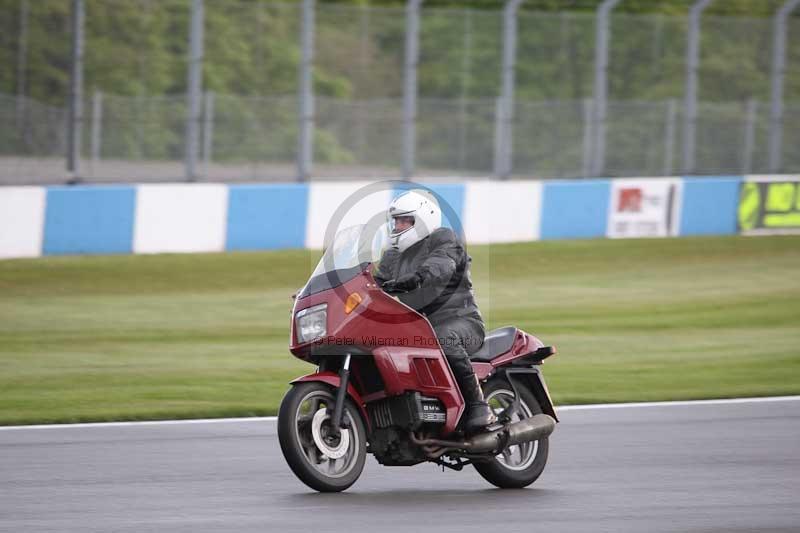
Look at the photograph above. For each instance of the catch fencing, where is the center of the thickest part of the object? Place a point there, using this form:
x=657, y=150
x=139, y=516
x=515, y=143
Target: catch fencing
x=324, y=91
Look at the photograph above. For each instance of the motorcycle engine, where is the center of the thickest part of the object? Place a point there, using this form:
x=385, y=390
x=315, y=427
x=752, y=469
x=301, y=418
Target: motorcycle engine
x=393, y=418
x=408, y=411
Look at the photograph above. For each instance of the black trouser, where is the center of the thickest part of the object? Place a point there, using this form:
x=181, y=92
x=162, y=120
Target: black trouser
x=459, y=337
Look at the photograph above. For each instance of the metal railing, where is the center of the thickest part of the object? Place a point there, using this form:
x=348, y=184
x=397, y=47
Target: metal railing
x=307, y=91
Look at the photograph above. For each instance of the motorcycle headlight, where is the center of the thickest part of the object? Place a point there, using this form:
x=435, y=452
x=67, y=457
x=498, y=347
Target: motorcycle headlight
x=311, y=323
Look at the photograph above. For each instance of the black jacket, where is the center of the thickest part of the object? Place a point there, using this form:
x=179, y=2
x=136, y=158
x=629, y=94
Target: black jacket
x=443, y=263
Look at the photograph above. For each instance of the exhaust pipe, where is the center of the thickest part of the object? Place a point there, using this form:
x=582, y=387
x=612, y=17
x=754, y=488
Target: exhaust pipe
x=528, y=430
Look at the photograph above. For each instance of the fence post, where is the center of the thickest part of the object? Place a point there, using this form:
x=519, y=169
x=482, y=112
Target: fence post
x=305, y=138
x=690, y=92
x=504, y=149
x=410, y=87
x=361, y=112
x=208, y=132
x=499, y=135
x=466, y=60
x=194, y=89
x=751, y=116
x=669, y=136
x=143, y=109
x=778, y=69
x=22, y=61
x=601, y=85
x=97, y=128
x=588, y=137
x=74, y=127
x=499, y=132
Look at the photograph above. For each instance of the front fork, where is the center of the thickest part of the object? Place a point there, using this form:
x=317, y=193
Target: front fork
x=341, y=395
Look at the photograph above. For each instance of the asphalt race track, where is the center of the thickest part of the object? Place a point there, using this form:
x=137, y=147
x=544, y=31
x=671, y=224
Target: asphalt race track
x=708, y=467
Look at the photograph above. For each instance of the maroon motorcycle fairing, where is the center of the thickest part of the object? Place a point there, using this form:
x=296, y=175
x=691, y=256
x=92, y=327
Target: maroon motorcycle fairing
x=384, y=334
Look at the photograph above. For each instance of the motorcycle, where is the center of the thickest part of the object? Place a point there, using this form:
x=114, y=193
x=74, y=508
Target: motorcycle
x=383, y=385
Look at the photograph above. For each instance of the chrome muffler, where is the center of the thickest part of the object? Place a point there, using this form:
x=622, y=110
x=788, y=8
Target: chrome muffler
x=495, y=441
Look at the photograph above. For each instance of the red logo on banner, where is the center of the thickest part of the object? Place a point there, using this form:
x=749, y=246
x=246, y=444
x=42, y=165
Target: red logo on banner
x=630, y=200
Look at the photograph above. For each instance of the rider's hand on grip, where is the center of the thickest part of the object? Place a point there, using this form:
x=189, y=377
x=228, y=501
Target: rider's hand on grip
x=405, y=283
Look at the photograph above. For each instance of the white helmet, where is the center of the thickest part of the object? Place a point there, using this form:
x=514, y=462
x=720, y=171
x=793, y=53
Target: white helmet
x=419, y=204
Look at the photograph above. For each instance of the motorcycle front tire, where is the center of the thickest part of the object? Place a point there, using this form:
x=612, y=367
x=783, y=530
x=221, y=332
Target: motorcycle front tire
x=304, y=457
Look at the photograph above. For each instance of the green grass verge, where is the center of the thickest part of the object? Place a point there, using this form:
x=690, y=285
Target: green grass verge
x=148, y=337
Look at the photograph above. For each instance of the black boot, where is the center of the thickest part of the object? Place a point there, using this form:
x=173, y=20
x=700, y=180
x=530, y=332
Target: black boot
x=478, y=414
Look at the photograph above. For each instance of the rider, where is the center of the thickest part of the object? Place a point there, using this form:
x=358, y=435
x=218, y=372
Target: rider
x=428, y=266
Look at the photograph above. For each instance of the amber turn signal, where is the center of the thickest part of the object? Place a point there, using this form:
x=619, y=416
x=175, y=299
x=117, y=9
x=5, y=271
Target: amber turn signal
x=352, y=302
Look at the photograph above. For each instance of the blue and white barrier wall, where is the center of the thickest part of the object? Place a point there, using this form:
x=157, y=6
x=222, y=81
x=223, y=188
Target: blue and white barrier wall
x=115, y=219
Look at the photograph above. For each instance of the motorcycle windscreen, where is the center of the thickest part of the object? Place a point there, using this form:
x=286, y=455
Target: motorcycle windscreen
x=347, y=256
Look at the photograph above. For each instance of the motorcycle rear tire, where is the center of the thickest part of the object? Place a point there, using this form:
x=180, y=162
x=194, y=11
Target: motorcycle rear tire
x=495, y=471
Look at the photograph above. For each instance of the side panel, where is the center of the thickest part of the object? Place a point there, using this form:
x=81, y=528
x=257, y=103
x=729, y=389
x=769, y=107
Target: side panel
x=483, y=370
x=709, y=206
x=573, y=209
x=21, y=221
x=426, y=371
x=524, y=344
x=89, y=220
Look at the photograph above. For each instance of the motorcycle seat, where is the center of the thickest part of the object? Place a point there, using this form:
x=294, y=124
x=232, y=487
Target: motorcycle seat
x=496, y=342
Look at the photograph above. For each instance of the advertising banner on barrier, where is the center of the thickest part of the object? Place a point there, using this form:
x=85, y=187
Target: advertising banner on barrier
x=644, y=208
x=769, y=205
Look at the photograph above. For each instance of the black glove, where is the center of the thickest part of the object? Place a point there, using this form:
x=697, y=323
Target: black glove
x=405, y=283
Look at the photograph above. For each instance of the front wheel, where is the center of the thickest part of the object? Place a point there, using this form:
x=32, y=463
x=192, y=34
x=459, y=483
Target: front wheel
x=321, y=459
x=522, y=464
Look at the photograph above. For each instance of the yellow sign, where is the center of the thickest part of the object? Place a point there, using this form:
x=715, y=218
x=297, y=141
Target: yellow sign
x=769, y=206
x=749, y=203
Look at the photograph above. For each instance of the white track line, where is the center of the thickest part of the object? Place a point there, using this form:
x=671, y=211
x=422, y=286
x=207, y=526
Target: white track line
x=146, y=423
x=274, y=418
x=679, y=403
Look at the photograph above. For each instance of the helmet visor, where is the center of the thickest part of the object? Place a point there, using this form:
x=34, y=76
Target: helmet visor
x=400, y=223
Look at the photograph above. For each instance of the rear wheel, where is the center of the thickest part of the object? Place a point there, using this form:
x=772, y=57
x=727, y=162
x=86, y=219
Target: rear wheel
x=321, y=459
x=519, y=465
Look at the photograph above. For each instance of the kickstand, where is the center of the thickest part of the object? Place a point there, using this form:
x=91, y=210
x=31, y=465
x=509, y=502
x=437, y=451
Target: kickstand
x=457, y=463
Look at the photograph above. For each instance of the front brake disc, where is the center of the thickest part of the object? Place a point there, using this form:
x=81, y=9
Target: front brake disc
x=331, y=452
